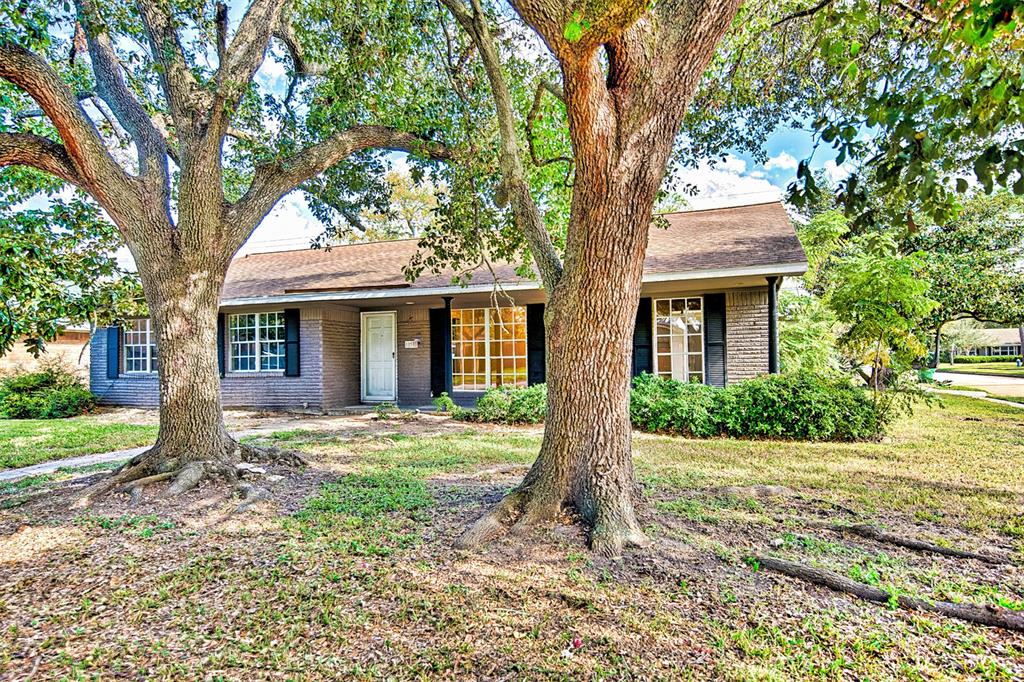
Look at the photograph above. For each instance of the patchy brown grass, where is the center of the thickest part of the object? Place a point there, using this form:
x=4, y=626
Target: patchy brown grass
x=348, y=572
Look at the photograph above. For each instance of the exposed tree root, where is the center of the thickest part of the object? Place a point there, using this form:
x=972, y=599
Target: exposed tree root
x=251, y=494
x=152, y=466
x=872, y=533
x=521, y=513
x=982, y=614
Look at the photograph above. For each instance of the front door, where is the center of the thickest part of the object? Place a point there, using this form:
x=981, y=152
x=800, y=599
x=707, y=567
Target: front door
x=379, y=356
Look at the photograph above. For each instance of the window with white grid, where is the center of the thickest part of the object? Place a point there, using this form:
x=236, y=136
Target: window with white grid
x=488, y=348
x=139, y=347
x=679, y=338
x=256, y=342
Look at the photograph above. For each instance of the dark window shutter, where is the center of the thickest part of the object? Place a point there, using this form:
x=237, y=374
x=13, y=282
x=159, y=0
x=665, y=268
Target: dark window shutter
x=642, y=346
x=220, y=343
x=291, y=342
x=438, y=320
x=113, y=352
x=714, y=339
x=536, y=368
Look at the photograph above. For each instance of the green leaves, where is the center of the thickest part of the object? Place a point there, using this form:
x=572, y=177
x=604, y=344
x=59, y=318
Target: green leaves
x=574, y=28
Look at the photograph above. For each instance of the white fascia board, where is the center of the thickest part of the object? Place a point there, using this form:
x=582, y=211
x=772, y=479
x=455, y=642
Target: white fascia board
x=372, y=294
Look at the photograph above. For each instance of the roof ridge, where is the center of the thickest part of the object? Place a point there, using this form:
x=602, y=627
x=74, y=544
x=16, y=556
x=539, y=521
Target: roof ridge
x=723, y=208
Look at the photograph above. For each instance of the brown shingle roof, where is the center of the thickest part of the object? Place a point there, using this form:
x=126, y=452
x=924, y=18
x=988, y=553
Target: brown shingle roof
x=715, y=239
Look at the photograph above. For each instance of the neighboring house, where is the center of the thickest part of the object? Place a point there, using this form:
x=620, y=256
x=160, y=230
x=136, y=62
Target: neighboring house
x=68, y=347
x=993, y=342
x=322, y=330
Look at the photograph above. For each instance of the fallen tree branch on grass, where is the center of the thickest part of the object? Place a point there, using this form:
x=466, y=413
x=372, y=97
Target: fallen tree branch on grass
x=867, y=531
x=982, y=614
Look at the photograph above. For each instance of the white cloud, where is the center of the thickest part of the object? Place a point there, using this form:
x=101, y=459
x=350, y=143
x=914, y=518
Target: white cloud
x=782, y=161
x=835, y=172
x=726, y=184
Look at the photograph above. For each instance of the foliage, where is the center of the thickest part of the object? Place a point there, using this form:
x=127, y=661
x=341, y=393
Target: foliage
x=983, y=359
x=881, y=298
x=800, y=406
x=797, y=406
x=444, y=403
x=511, y=405
x=688, y=409
x=976, y=262
x=807, y=336
x=57, y=266
x=53, y=392
x=822, y=237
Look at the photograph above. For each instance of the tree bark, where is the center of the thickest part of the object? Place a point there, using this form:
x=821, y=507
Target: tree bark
x=585, y=461
x=1020, y=335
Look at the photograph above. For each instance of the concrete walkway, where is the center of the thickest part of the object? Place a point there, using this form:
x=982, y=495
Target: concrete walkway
x=101, y=457
x=993, y=384
x=980, y=395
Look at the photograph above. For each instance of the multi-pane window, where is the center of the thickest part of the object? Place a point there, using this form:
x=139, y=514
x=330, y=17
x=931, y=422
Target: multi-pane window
x=256, y=341
x=488, y=348
x=679, y=339
x=139, y=347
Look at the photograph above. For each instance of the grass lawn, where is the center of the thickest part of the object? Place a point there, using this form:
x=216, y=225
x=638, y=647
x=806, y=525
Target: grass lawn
x=1000, y=369
x=348, y=572
x=24, y=442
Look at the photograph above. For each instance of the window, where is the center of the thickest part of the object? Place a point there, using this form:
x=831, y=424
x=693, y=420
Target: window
x=139, y=347
x=256, y=341
x=488, y=348
x=679, y=338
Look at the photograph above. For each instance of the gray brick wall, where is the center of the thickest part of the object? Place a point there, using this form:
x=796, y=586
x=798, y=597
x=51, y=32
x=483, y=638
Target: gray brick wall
x=746, y=333
x=134, y=390
x=341, y=358
x=414, y=363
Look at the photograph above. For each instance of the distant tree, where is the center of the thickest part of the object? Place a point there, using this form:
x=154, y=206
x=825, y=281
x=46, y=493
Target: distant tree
x=411, y=210
x=975, y=263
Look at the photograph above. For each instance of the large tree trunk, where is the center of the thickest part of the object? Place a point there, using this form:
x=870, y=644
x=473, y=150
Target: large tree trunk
x=585, y=461
x=183, y=295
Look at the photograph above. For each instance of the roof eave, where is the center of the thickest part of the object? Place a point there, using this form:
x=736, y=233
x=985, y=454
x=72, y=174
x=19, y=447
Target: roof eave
x=775, y=269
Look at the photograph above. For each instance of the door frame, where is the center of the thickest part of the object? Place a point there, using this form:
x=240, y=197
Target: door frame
x=363, y=346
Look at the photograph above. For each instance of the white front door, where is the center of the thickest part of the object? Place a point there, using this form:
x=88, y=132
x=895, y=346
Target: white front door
x=379, y=356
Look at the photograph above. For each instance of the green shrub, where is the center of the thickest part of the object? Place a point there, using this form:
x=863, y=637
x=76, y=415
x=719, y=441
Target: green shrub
x=799, y=406
x=511, y=405
x=974, y=359
x=52, y=392
x=665, y=406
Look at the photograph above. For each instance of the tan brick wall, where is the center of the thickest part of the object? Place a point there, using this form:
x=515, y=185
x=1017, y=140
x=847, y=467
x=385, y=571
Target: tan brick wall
x=67, y=347
x=746, y=333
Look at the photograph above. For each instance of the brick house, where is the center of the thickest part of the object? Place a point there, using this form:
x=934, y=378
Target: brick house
x=323, y=330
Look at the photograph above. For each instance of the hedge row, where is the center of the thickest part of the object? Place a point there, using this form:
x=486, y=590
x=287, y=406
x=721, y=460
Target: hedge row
x=784, y=406
x=974, y=359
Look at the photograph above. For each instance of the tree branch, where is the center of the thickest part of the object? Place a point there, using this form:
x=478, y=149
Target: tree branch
x=524, y=209
x=272, y=181
x=112, y=89
x=181, y=89
x=26, y=149
x=95, y=169
x=817, y=7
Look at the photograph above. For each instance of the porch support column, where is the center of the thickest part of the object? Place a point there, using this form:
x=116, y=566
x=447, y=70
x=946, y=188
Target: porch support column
x=448, y=345
x=773, y=325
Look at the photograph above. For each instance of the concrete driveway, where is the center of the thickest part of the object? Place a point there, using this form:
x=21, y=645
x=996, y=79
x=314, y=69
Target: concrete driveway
x=1013, y=386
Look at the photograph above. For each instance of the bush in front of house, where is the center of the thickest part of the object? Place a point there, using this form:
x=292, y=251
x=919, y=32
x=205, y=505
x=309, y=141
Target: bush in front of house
x=510, y=405
x=665, y=406
x=975, y=359
x=798, y=406
x=53, y=392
